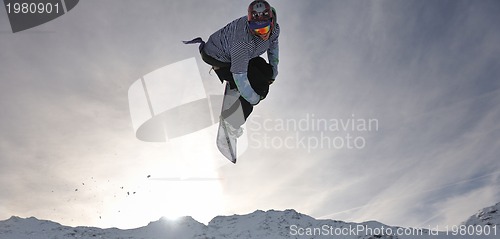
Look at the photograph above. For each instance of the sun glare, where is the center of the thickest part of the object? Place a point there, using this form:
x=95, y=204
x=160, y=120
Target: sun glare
x=197, y=198
x=179, y=182
x=167, y=198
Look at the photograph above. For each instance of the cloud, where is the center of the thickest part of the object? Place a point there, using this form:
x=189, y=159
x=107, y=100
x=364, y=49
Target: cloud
x=452, y=210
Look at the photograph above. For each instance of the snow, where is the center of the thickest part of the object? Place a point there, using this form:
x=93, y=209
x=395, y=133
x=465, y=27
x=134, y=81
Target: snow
x=487, y=216
x=32, y=228
x=259, y=224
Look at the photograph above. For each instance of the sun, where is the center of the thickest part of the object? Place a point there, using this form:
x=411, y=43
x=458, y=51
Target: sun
x=178, y=182
x=167, y=198
x=199, y=198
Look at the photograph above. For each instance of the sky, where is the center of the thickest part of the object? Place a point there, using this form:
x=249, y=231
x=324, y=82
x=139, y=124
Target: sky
x=382, y=110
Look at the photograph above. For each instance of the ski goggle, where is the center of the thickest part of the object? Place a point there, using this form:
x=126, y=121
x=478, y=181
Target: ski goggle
x=262, y=30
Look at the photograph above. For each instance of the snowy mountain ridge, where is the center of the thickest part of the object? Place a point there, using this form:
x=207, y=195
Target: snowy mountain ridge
x=259, y=224
x=487, y=216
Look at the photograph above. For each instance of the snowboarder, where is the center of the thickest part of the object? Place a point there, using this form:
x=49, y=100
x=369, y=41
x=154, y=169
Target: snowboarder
x=234, y=54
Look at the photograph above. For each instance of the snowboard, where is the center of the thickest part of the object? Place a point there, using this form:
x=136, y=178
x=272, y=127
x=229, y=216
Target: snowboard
x=231, y=107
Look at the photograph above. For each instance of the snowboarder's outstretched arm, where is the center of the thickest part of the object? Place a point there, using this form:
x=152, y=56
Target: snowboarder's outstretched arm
x=273, y=51
x=273, y=56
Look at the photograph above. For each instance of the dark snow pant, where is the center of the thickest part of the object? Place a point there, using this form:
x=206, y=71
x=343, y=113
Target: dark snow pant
x=259, y=74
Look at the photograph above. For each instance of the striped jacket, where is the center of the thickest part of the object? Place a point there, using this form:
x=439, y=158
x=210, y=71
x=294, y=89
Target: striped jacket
x=235, y=44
